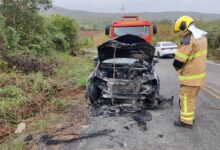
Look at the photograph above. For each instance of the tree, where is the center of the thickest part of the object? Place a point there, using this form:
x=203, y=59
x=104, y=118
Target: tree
x=68, y=27
x=25, y=29
x=22, y=18
x=17, y=12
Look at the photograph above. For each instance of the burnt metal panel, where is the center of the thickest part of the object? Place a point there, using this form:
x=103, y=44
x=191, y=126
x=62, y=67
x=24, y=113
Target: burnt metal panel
x=127, y=46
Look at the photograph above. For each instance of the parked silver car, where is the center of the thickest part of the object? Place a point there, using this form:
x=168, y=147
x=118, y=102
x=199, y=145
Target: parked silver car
x=165, y=49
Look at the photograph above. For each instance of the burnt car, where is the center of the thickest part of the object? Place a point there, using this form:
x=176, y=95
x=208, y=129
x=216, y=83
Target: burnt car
x=124, y=75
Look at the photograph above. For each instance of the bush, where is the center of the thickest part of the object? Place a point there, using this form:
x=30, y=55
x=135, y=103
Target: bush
x=40, y=45
x=12, y=38
x=11, y=97
x=38, y=34
x=87, y=42
x=60, y=42
x=41, y=85
x=28, y=63
x=68, y=27
x=214, y=37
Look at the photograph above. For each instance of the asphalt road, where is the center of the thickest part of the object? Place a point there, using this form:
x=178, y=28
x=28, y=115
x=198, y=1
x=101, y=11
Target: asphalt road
x=213, y=78
x=161, y=133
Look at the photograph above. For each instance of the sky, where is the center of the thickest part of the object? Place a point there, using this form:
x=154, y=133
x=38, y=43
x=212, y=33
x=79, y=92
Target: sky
x=113, y=6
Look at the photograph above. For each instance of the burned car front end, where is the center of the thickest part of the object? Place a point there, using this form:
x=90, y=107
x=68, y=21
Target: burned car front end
x=124, y=75
x=125, y=79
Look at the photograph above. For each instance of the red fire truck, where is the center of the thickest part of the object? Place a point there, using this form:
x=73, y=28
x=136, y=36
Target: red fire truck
x=131, y=25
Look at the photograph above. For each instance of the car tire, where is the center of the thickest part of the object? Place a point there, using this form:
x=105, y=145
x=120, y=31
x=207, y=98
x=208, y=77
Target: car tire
x=158, y=54
x=92, y=93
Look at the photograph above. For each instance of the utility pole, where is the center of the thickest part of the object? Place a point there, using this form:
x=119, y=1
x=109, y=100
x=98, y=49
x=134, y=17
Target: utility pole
x=123, y=9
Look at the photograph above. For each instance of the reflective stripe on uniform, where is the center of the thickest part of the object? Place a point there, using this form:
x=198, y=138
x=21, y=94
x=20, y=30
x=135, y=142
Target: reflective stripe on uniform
x=181, y=55
x=197, y=54
x=187, y=118
x=187, y=114
x=192, y=77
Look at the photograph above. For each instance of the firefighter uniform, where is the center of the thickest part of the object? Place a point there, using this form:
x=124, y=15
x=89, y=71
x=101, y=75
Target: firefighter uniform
x=190, y=63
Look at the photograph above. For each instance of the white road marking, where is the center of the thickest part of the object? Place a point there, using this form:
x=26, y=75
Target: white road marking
x=211, y=91
x=213, y=63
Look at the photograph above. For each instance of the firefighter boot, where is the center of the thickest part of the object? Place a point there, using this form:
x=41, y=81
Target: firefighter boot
x=178, y=123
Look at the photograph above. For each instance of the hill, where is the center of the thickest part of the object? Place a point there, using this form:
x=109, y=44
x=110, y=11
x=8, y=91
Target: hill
x=93, y=17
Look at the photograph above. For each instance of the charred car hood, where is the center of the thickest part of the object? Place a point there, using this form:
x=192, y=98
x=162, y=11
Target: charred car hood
x=127, y=46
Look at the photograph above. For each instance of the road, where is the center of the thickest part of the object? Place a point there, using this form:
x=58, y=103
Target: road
x=161, y=133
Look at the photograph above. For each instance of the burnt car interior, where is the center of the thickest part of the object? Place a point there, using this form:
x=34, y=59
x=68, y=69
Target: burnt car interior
x=124, y=76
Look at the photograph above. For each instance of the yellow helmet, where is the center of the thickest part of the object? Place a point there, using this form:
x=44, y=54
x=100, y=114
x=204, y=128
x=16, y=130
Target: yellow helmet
x=182, y=24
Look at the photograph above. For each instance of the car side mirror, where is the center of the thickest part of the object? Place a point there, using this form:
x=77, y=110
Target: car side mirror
x=154, y=29
x=107, y=30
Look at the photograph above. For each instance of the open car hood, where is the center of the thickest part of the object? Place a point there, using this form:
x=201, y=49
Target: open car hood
x=126, y=46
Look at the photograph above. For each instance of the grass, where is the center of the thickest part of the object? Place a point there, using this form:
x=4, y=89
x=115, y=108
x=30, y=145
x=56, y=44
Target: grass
x=99, y=38
x=82, y=81
x=11, y=98
x=75, y=69
x=58, y=104
x=44, y=123
x=20, y=92
x=23, y=96
x=18, y=145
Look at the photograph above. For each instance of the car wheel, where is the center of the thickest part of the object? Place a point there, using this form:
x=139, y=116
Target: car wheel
x=92, y=93
x=158, y=54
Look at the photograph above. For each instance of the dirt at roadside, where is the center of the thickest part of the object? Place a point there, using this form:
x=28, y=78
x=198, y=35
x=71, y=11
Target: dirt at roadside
x=69, y=120
x=69, y=123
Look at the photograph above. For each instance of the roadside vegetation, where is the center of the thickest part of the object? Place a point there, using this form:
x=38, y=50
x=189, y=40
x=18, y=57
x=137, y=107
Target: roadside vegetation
x=41, y=63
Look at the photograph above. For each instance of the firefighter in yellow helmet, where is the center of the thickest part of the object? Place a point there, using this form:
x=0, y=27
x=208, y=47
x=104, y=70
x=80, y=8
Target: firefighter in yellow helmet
x=190, y=64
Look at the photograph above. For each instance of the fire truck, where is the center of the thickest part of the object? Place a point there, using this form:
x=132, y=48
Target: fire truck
x=131, y=25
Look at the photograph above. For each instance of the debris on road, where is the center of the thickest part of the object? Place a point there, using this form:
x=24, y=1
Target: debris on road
x=48, y=140
x=127, y=128
x=28, y=138
x=141, y=118
x=20, y=128
x=141, y=122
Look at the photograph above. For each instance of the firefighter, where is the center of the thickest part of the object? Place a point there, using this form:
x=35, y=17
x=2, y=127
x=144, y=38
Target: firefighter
x=190, y=64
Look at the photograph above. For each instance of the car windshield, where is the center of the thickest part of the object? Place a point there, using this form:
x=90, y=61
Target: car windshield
x=137, y=30
x=169, y=44
x=120, y=61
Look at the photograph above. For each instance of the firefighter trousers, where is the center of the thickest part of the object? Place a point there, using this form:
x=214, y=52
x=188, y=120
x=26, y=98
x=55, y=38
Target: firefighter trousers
x=187, y=103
